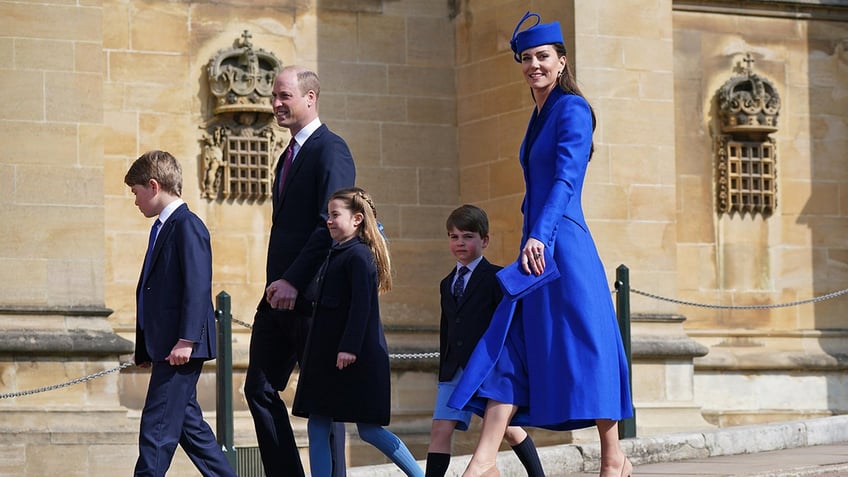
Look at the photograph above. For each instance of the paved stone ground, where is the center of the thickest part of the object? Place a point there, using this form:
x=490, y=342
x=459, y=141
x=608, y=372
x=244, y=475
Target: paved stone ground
x=823, y=461
x=813, y=447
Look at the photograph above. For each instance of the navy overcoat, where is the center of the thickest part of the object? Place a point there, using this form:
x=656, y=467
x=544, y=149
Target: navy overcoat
x=346, y=318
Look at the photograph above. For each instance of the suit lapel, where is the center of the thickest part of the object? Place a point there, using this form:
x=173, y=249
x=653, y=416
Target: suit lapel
x=448, y=301
x=474, y=281
x=302, y=157
x=164, y=234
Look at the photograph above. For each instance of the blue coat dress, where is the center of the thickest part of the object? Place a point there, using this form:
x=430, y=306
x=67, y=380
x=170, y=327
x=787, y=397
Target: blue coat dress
x=556, y=354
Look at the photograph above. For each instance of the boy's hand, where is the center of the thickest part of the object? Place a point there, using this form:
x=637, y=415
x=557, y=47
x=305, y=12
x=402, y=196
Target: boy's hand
x=344, y=360
x=180, y=353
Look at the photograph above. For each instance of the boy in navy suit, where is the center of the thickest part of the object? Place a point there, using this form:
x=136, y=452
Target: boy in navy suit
x=469, y=296
x=175, y=322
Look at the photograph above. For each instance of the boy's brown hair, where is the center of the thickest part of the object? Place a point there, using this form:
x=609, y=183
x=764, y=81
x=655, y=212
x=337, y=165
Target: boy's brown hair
x=469, y=218
x=158, y=165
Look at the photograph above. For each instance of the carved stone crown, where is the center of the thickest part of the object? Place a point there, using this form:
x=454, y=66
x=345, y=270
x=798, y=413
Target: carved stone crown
x=748, y=103
x=241, y=78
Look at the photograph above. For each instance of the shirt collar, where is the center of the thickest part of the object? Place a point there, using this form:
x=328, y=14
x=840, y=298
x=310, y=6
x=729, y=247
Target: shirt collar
x=302, y=135
x=471, y=266
x=169, y=209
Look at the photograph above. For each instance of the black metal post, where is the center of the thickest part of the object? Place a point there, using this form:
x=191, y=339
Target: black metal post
x=224, y=378
x=627, y=427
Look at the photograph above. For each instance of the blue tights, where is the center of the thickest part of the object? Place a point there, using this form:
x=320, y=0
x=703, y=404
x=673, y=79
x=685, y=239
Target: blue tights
x=320, y=461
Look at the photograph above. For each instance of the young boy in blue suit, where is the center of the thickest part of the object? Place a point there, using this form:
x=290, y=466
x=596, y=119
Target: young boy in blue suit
x=469, y=296
x=175, y=322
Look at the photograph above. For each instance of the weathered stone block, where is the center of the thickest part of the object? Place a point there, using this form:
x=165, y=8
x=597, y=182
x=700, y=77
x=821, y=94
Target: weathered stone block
x=431, y=110
x=430, y=41
x=438, y=186
x=376, y=108
x=425, y=81
x=381, y=39
x=144, y=67
x=37, y=54
x=19, y=100
x=389, y=185
x=168, y=20
x=34, y=20
x=406, y=145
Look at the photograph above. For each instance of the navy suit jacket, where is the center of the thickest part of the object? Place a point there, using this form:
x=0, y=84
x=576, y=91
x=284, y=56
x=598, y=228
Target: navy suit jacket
x=299, y=238
x=465, y=320
x=177, y=291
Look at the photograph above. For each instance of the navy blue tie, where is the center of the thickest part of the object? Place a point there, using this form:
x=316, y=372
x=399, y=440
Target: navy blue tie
x=459, y=284
x=151, y=241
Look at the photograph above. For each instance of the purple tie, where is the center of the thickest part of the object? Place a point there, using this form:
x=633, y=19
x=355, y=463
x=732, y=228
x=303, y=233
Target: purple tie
x=288, y=155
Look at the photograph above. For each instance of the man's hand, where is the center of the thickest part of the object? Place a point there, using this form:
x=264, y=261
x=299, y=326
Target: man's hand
x=281, y=295
x=180, y=353
x=145, y=364
x=344, y=360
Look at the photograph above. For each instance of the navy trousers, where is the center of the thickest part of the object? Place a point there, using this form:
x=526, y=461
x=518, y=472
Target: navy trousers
x=172, y=416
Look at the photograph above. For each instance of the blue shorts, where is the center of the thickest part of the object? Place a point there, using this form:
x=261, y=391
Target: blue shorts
x=446, y=413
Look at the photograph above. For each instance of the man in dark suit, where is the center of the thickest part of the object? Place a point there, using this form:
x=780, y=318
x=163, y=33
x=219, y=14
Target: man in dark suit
x=469, y=295
x=316, y=163
x=175, y=322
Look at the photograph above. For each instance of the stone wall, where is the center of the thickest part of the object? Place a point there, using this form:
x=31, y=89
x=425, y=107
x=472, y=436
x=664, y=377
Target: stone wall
x=766, y=355
x=794, y=254
x=433, y=106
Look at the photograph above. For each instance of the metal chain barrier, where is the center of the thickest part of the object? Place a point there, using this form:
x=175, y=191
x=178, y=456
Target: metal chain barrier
x=433, y=355
x=742, y=307
x=414, y=355
x=391, y=356
x=242, y=323
x=68, y=383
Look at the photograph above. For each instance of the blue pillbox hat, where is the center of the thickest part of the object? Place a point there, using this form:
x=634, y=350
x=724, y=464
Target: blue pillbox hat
x=537, y=34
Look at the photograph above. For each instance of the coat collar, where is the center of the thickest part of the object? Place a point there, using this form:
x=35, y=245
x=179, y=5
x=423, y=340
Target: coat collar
x=538, y=119
x=338, y=247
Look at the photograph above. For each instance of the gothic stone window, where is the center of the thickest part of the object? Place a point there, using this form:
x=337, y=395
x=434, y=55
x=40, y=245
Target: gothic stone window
x=248, y=172
x=750, y=173
x=746, y=154
x=241, y=144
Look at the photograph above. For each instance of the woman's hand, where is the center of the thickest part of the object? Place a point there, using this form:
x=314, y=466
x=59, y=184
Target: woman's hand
x=533, y=257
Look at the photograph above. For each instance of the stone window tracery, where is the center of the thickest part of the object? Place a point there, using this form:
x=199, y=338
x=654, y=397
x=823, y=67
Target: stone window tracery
x=746, y=162
x=240, y=145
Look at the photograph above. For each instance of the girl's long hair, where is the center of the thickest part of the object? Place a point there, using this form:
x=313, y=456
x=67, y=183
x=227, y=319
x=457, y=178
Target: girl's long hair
x=568, y=84
x=358, y=201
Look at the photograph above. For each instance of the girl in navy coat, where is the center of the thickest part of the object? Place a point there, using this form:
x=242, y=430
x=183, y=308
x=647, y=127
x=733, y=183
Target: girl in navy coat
x=345, y=376
x=561, y=363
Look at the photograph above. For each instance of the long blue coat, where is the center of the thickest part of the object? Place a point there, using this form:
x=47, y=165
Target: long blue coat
x=557, y=354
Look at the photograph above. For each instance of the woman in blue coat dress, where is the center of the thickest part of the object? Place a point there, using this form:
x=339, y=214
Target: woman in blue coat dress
x=554, y=358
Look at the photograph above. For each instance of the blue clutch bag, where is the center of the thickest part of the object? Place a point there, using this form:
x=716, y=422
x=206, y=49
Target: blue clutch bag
x=516, y=284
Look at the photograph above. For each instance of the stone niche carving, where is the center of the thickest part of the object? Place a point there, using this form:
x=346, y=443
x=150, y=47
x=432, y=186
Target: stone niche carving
x=748, y=107
x=240, y=142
